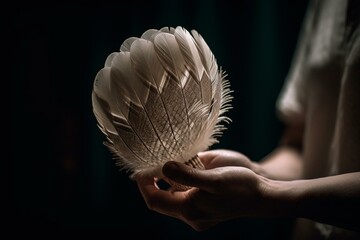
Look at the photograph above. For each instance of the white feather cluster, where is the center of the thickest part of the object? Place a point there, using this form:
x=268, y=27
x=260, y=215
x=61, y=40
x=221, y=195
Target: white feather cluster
x=161, y=98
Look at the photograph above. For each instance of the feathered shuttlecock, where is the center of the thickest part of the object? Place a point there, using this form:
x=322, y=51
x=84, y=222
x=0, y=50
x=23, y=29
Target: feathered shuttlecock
x=161, y=98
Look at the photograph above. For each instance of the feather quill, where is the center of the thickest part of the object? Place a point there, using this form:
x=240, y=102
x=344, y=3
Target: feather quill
x=161, y=98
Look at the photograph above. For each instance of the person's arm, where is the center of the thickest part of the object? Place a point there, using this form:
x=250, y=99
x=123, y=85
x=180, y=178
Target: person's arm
x=285, y=162
x=224, y=193
x=332, y=200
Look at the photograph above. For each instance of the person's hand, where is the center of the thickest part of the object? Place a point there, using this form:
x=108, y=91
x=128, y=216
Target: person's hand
x=223, y=158
x=225, y=190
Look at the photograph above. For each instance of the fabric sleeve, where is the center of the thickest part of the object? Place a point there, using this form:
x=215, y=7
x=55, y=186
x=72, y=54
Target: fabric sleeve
x=290, y=105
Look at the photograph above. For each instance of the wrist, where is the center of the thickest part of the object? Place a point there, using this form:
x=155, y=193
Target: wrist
x=281, y=198
x=259, y=169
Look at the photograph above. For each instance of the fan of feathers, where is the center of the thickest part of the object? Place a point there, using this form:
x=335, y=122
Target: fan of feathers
x=161, y=97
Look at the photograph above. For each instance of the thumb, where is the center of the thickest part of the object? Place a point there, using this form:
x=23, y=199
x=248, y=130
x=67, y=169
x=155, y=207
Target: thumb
x=188, y=176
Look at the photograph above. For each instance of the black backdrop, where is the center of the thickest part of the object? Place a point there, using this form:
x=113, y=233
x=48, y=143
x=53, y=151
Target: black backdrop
x=63, y=180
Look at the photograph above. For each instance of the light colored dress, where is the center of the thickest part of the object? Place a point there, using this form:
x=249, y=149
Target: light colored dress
x=322, y=92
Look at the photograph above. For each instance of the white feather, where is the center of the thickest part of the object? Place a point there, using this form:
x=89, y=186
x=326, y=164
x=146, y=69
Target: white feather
x=161, y=98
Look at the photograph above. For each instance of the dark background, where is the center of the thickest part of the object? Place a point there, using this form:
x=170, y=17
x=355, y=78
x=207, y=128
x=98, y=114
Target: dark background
x=63, y=179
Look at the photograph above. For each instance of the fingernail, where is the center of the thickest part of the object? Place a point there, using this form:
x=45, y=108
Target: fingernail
x=170, y=167
x=171, y=164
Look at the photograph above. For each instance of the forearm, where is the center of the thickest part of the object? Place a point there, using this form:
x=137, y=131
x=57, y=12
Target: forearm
x=284, y=163
x=333, y=200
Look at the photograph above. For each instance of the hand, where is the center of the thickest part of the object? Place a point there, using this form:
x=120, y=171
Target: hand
x=222, y=158
x=225, y=190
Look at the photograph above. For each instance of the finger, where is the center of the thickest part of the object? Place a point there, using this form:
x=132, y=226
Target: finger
x=220, y=157
x=206, y=157
x=164, y=202
x=211, y=158
x=188, y=176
